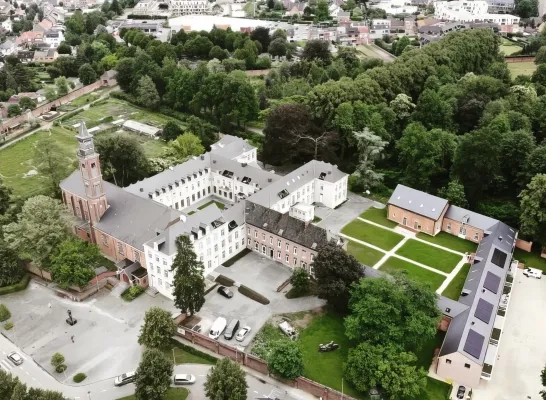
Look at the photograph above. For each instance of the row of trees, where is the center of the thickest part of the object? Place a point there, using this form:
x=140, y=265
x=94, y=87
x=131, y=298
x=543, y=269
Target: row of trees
x=11, y=388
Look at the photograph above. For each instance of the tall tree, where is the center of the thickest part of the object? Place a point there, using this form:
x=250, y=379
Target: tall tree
x=73, y=263
x=189, y=282
x=261, y=34
x=41, y=226
x=153, y=375
x=185, y=146
x=11, y=267
x=322, y=12
x=171, y=131
x=286, y=359
x=5, y=197
x=157, y=330
x=50, y=162
x=454, y=193
x=317, y=49
x=87, y=74
x=370, y=148
x=226, y=381
x=335, y=272
x=62, y=85
x=147, y=93
x=533, y=208
x=543, y=381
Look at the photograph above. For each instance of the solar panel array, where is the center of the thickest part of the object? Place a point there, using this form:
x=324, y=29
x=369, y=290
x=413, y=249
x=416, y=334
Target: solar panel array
x=499, y=258
x=492, y=282
x=474, y=343
x=483, y=312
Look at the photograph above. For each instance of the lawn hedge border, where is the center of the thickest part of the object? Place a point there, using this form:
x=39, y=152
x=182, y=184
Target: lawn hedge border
x=79, y=377
x=224, y=280
x=236, y=257
x=194, y=351
x=21, y=285
x=251, y=294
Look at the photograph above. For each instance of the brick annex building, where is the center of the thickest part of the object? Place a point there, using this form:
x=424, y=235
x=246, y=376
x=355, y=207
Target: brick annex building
x=137, y=226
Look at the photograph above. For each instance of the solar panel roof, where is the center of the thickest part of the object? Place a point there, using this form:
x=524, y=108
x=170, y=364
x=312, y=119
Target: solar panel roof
x=474, y=343
x=499, y=258
x=484, y=310
x=492, y=282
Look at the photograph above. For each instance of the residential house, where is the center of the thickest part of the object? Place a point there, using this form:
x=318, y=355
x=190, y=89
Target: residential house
x=294, y=8
x=45, y=56
x=326, y=34
x=8, y=47
x=410, y=27
x=5, y=8
x=7, y=25
x=397, y=27
x=501, y=6
x=42, y=26
x=353, y=35
x=54, y=37
x=150, y=27
x=392, y=7
x=28, y=39
x=334, y=9
x=25, y=56
x=380, y=28
x=474, y=11
x=31, y=95
x=344, y=17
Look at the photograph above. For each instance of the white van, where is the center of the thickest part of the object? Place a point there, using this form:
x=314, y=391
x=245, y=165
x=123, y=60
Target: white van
x=532, y=273
x=217, y=328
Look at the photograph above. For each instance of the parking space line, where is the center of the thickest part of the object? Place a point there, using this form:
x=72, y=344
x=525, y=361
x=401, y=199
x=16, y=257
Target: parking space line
x=27, y=373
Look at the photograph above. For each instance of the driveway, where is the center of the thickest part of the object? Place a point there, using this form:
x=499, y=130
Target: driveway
x=105, y=337
x=334, y=220
x=522, y=352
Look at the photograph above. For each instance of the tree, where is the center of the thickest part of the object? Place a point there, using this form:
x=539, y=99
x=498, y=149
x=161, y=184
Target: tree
x=533, y=206
x=57, y=360
x=41, y=226
x=123, y=159
x=189, y=282
x=317, y=49
x=14, y=110
x=73, y=263
x=171, y=131
x=11, y=386
x=153, y=375
x=300, y=279
x=369, y=366
x=5, y=197
x=116, y=7
x=370, y=148
x=454, y=193
x=147, y=93
x=87, y=74
x=186, y=145
x=397, y=311
x=158, y=329
x=527, y=8
x=540, y=58
x=286, y=359
x=11, y=267
x=543, y=378
x=50, y=162
x=278, y=47
x=26, y=103
x=322, y=12
x=218, y=53
x=64, y=48
x=261, y=34
x=62, y=86
x=335, y=272
x=50, y=93
x=226, y=381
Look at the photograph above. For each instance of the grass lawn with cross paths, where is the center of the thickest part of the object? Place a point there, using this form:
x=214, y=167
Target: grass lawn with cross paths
x=364, y=254
x=415, y=272
x=379, y=216
x=450, y=241
x=382, y=238
x=429, y=255
x=455, y=287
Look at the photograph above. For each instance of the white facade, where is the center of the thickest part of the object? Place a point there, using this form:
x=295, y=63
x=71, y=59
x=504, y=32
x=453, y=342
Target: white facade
x=471, y=11
x=7, y=25
x=396, y=6
x=188, y=7
x=54, y=38
x=302, y=211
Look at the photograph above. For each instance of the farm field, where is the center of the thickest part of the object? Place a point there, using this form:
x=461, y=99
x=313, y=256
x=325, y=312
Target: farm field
x=522, y=68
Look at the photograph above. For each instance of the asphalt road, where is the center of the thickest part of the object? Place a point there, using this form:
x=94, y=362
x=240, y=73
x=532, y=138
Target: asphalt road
x=33, y=375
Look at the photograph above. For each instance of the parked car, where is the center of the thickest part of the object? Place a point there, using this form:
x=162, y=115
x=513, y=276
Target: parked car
x=243, y=332
x=460, y=392
x=224, y=291
x=231, y=329
x=288, y=330
x=532, y=273
x=124, y=379
x=217, y=328
x=15, y=358
x=184, y=379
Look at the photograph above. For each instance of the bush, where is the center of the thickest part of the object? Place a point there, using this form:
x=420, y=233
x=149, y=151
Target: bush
x=57, y=360
x=61, y=368
x=8, y=326
x=132, y=293
x=251, y=294
x=79, y=377
x=4, y=313
x=300, y=279
x=224, y=280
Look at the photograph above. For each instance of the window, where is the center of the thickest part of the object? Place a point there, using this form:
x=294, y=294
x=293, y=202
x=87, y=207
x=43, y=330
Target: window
x=295, y=261
x=209, y=264
x=303, y=265
x=121, y=249
x=462, y=231
x=157, y=258
x=270, y=239
x=476, y=236
x=166, y=274
x=105, y=241
x=448, y=228
x=263, y=249
x=448, y=361
x=150, y=254
x=312, y=257
x=255, y=234
x=295, y=250
x=287, y=247
x=137, y=255
x=303, y=254
x=263, y=237
x=160, y=282
x=286, y=258
x=279, y=243
x=248, y=231
x=223, y=242
x=311, y=270
x=222, y=232
x=164, y=262
x=243, y=241
x=229, y=239
x=215, y=248
x=248, y=242
x=405, y=221
x=467, y=366
x=256, y=245
x=236, y=235
x=158, y=269
x=279, y=255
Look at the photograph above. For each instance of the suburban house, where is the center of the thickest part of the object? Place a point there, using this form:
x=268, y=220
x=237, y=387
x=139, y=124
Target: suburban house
x=137, y=226
x=8, y=47
x=468, y=351
x=46, y=56
x=7, y=25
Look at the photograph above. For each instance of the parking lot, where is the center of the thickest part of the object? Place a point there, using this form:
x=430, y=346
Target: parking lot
x=105, y=337
x=522, y=352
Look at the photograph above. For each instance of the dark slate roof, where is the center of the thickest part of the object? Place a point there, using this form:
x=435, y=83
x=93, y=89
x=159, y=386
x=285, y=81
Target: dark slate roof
x=471, y=218
x=295, y=230
x=418, y=202
x=466, y=330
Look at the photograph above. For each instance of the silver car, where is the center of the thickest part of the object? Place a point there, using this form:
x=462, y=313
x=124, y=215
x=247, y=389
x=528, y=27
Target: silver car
x=124, y=379
x=242, y=334
x=184, y=379
x=15, y=358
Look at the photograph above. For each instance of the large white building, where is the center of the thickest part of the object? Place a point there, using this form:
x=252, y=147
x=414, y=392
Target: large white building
x=173, y=8
x=229, y=173
x=471, y=11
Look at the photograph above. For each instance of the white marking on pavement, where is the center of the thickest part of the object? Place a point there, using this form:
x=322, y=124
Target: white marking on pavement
x=33, y=379
x=27, y=373
x=7, y=366
x=105, y=390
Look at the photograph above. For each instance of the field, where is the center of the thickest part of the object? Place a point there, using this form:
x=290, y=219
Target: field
x=413, y=271
x=379, y=216
x=453, y=290
x=364, y=254
x=429, y=255
x=532, y=260
x=379, y=237
x=522, y=68
x=509, y=48
x=450, y=241
x=370, y=51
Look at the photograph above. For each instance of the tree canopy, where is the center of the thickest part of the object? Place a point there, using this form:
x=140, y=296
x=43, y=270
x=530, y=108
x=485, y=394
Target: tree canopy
x=73, y=262
x=226, y=381
x=153, y=375
x=157, y=330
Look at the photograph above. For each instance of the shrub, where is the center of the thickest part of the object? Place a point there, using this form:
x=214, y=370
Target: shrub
x=17, y=287
x=224, y=280
x=79, y=377
x=8, y=326
x=57, y=360
x=4, y=313
x=251, y=294
x=300, y=279
x=61, y=368
x=132, y=293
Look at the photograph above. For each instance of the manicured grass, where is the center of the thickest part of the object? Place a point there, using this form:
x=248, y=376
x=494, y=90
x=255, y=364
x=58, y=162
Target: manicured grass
x=522, y=68
x=435, y=390
x=429, y=255
x=413, y=271
x=450, y=241
x=188, y=355
x=453, y=290
x=509, y=48
x=85, y=99
x=192, y=212
x=379, y=216
x=368, y=233
x=532, y=260
x=326, y=368
x=364, y=254
x=171, y=394
x=221, y=206
x=426, y=353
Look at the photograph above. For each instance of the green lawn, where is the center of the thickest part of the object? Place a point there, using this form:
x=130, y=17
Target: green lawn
x=429, y=255
x=455, y=287
x=450, y=241
x=509, y=48
x=379, y=216
x=326, y=368
x=379, y=237
x=522, y=68
x=182, y=356
x=413, y=271
x=172, y=394
x=532, y=260
x=364, y=254
x=85, y=99
x=221, y=206
x=435, y=390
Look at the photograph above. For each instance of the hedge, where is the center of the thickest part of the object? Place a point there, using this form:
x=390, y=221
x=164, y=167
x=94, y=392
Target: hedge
x=70, y=115
x=236, y=257
x=194, y=351
x=8, y=326
x=251, y=294
x=79, y=377
x=22, y=285
x=132, y=293
x=5, y=314
x=224, y=280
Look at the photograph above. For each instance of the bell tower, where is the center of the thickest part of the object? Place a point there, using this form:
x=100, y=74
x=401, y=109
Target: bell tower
x=91, y=175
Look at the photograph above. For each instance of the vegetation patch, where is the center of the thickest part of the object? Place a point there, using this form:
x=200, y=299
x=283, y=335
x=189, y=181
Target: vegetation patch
x=224, y=280
x=221, y=206
x=79, y=377
x=310, y=290
x=429, y=255
x=379, y=216
x=522, y=68
x=455, y=287
x=5, y=314
x=450, y=241
x=132, y=293
x=8, y=326
x=532, y=259
x=374, y=235
x=415, y=272
x=236, y=257
x=192, y=212
x=251, y=294
x=316, y=219
x=21, y=285
x=364, y=254
x=184, y=354
x=171, y=394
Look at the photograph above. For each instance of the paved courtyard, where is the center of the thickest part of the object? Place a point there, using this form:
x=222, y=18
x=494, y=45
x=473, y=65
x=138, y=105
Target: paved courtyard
x=334, y=220
x=105, y=337
x=522, y=354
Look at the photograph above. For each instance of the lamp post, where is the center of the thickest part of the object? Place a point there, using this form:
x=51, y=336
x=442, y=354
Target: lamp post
x=89, y=395
x=342, y=388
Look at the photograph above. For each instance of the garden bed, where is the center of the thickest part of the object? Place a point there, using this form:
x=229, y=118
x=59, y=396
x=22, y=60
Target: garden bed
x=455, y=287
x=236, y=257
x=21, y=285
x=132, y=293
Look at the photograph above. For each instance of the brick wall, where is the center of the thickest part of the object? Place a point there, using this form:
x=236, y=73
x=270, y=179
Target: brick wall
x=413, y=220
x=524, y=245
x=38, y=271
x=454, y=227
